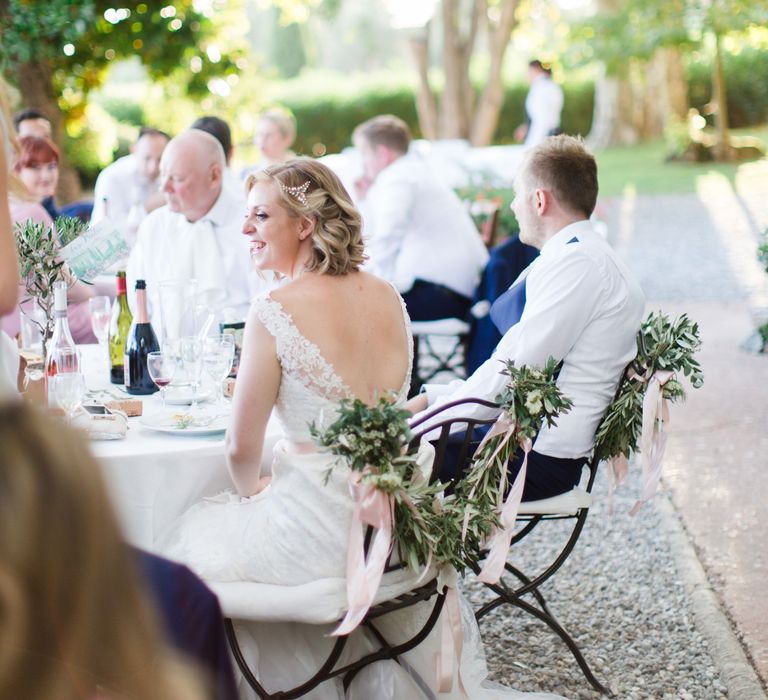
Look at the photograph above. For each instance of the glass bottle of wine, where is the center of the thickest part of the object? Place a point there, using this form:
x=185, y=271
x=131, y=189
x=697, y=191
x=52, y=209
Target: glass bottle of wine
x=119, y=326
x=62, y=352
x=141, y=341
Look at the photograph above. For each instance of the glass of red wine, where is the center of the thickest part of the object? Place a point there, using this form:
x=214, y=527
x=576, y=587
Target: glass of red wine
x=161, y=366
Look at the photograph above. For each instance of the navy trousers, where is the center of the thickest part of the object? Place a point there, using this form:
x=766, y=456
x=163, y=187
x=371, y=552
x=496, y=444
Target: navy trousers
x=545, y=476
x=427, y=301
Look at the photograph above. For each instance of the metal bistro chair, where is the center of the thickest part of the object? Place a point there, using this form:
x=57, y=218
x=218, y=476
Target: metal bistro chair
x=443, y=344
x=573, y=505
x=331, y=668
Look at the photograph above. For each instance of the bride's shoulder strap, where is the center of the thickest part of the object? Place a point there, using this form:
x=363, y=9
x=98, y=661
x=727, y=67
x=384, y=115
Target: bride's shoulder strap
x=273, y=317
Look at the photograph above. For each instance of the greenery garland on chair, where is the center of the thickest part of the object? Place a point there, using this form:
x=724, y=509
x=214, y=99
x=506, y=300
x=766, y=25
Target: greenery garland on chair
x=429, y=529
x=662, y=345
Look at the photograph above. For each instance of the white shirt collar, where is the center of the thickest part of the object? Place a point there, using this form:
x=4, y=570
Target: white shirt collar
x=221, y=211
x=564, y=235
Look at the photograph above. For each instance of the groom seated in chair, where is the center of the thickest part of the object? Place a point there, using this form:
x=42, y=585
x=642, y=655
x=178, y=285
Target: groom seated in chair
x=576, y=302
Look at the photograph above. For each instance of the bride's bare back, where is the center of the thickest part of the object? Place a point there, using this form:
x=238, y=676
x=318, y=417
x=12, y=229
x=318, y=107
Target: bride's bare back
x=356, y=321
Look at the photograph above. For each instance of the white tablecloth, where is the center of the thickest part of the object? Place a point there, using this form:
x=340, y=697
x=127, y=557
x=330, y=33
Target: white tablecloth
x=153, y=477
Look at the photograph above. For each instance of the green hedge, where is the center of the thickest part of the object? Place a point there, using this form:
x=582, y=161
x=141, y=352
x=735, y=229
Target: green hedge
x=746, y=81
x=329, y=122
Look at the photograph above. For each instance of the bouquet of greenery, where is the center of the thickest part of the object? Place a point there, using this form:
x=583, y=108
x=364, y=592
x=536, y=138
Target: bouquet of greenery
x=663, y=345
x=428, y=528
x=40, y=266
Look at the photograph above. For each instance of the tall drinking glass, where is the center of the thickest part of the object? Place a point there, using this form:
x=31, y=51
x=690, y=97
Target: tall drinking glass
x=192, y=361
x=161, y=366
x=218, y=358
x=69, y=390
x=101, y=312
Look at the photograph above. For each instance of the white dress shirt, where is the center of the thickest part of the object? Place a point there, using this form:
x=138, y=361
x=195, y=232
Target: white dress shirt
x=213, y=251
x=584, y=307
x=119, y=194
x=417, y=227
x=543, y=105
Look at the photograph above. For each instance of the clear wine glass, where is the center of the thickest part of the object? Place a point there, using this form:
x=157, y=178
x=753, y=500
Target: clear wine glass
x=161, y=366
x=101, y=312
x=218, y=358
x=192, y=359
x=69, y=390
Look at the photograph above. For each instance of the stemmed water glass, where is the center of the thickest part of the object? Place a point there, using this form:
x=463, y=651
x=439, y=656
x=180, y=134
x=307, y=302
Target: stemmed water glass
x=161, y=366
x=69, y=390
x=218, y=358
x=192, y=359
x=100, y=308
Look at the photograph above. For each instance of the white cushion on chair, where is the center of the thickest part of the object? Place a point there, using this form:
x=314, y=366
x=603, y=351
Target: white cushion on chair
x=564, y=504
x=316, y=602
x=443, y=326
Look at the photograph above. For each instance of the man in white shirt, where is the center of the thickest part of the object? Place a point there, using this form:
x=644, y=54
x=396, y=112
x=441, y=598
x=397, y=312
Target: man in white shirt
x=418, y=233
x=543, y=106
x=197, y=234
x=581, y=306
x=127, y=190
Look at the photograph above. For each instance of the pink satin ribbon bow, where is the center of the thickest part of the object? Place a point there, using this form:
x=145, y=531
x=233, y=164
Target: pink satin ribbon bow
x=375, y=508
x=653, y=439
x=501, y=537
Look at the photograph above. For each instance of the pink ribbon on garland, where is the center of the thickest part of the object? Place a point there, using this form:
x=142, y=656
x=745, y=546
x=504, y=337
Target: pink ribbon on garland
x=653, y=438
x=375, y=508
x=451, y=639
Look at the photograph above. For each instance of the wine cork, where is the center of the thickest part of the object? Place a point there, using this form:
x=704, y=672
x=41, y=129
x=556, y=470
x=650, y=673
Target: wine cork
x=131, y=407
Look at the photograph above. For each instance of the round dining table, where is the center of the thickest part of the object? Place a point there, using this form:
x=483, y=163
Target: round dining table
x=153, y=477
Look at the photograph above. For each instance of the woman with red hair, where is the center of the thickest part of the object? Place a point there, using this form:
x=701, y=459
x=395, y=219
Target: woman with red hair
x=38, y=168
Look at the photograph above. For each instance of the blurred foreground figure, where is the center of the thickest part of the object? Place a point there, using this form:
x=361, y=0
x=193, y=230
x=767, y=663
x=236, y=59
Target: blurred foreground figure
x=74, y=619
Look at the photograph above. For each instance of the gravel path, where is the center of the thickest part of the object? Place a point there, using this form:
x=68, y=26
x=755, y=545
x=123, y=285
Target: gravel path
x=620, y=597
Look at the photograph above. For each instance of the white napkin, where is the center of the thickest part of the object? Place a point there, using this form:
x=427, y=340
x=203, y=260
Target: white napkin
x=208, y=265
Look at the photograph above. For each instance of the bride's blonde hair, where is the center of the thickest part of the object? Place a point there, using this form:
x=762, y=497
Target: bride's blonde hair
x=311, y=190
x=74, y=620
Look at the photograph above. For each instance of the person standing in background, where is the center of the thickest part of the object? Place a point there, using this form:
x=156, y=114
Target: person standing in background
x=127, y=190
x=543, y=106
x=31, y=122
x=275, y=134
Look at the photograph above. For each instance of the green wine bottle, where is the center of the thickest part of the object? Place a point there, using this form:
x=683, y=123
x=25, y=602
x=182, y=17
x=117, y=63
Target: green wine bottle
x=119, y=326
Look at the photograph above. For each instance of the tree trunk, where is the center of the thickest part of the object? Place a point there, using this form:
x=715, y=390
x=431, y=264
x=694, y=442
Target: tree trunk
x=722, y=147
x=612, y=121
x=666, y=91
x=425, y=98
x=36, y=87
x=452, y=123
x=486, y=117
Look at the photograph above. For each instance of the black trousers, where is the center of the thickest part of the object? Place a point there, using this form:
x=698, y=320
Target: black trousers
x=545, y=476
x=427, y=301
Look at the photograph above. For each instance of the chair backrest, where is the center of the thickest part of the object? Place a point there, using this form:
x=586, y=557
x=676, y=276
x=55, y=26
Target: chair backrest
x=442, y=425
x=489, y=229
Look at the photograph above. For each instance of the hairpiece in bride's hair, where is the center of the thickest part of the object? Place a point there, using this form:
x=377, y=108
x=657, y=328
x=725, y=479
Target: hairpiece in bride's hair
x=299, y=192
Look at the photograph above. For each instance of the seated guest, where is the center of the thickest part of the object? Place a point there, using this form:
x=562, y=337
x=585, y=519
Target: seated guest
x=507, y=261
x=419, y=234
x=38, y=168
x=128, y=190
x=275, y=134
x=31, y=122
x=220, y=130
x=38, y=172
x=197, y=234
x=75, y=619
x=581, y=306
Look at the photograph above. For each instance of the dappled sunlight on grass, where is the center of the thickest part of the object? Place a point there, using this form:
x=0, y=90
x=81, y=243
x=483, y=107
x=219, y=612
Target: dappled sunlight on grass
x=643, y=168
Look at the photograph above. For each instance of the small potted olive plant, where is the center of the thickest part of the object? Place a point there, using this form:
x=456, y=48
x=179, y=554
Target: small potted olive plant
x=38, y=247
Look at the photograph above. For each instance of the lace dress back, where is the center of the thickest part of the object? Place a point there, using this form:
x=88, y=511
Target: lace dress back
x=310, y=388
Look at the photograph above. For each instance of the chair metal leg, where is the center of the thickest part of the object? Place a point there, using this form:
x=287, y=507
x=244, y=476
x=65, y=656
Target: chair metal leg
x=545, y=616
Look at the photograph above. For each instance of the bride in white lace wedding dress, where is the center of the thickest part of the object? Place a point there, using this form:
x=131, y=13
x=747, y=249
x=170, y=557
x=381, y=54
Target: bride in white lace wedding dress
x=332, y=333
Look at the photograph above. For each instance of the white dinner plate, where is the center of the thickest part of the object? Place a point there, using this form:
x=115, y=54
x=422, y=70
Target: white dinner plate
x=182, y=395
x=201, y=425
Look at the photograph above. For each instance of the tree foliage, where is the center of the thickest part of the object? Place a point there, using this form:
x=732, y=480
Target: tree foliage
x=78, y=39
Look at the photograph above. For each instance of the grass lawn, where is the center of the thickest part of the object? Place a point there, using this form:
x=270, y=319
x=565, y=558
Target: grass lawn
x=642, y=168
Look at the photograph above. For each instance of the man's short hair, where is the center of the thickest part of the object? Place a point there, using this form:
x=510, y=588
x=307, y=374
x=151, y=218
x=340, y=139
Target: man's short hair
x=26, y=114
x=217, y=128
x=539, y=65
x=152, y=131
x=386, y=130
x=563, y=165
